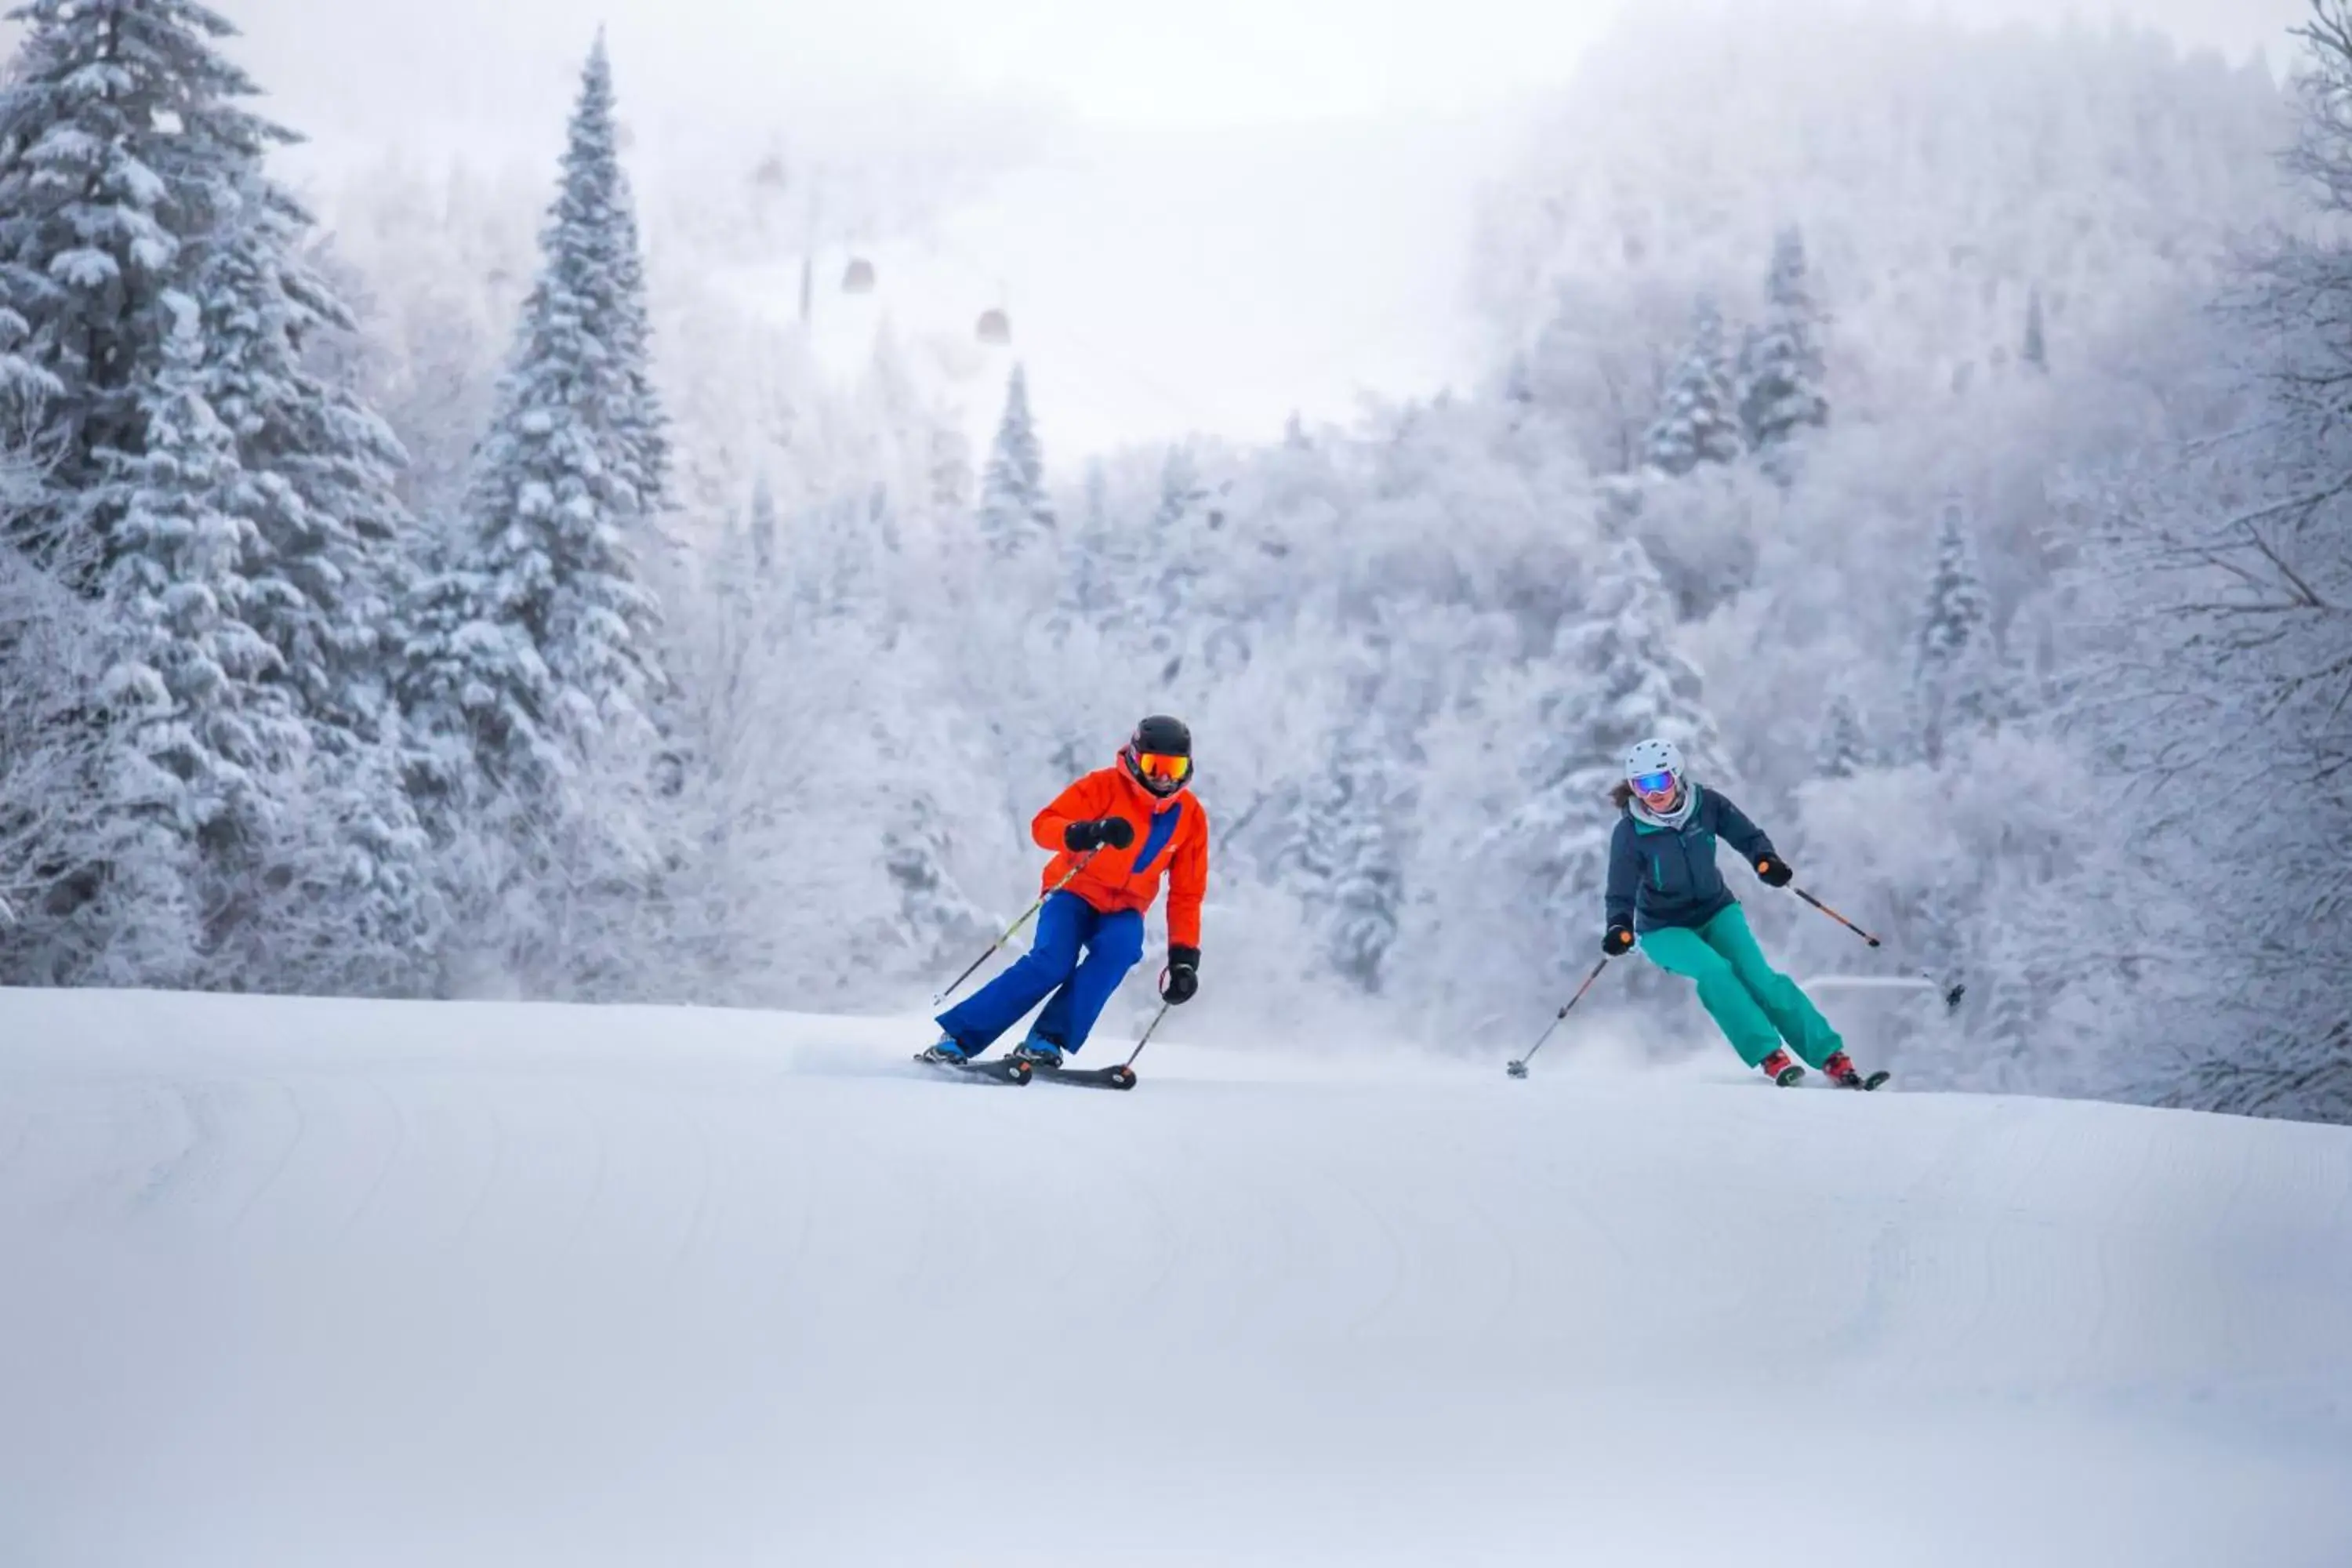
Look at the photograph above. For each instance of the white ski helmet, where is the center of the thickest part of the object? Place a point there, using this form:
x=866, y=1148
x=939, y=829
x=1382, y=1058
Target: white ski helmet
x=1653, y=756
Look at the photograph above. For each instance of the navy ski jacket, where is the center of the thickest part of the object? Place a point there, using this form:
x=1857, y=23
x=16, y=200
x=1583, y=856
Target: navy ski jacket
x=1667, y=876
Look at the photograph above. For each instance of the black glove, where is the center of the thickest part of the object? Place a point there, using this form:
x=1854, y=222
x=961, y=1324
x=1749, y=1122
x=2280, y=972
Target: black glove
x=1114, y=831
x=1183, y=977
x=1619, y=941
x=1773, y=873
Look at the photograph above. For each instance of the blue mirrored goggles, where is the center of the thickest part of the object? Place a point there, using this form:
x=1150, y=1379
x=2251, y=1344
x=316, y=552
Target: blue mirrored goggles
x=1662, y=782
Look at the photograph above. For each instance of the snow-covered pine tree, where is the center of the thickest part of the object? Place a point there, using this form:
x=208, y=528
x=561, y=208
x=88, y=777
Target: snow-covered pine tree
x=318, y=480
x=760, y=529
x=120, y=137
x=1843, y=747
x=1780, y=366
x=317, y=468
x=1698, y=420
x=1086, y=596
x=545, y=615
x=202, y=739
x=1618, y=678
x=1352, y=831
x=1176, y=564
x=1016, y=513
x=531, y=662
x=2037, y=344
x=1953, y=674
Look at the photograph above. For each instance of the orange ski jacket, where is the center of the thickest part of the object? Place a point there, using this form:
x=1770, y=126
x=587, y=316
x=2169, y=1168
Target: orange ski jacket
x=1171, y=839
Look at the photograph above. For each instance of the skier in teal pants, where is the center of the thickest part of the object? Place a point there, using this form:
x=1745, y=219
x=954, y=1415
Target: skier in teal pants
x=1663, y=885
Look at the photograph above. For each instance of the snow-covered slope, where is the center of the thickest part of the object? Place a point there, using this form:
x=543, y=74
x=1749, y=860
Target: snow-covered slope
x=306, y=1282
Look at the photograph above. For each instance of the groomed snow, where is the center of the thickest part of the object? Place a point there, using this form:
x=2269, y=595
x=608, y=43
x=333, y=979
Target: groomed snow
x=290, y=1282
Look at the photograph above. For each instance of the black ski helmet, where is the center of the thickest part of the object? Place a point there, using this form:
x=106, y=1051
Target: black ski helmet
x=1159, y=736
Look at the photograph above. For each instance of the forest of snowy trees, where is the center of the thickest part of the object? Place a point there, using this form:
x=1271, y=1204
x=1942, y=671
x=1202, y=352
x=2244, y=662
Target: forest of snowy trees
x=1941, y=438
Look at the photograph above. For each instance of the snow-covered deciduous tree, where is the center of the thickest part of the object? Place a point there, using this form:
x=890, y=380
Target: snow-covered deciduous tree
x=1698, y=421
x=2234, y=662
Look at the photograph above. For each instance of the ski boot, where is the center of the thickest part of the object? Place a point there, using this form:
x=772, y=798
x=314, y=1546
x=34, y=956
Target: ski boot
x=1842, y=1073
x=1783, y=1069
x=1038, y=1053
x=947, y=1051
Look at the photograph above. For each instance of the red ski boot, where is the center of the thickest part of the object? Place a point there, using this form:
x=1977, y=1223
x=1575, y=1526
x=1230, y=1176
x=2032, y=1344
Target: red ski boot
x=1783, y=1069
x=1845, y=1075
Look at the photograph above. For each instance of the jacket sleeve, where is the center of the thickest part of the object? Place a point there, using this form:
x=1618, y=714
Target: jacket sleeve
x=1075, y=804
x=1731, y=825
x=1188, y=883
x=1624, y=873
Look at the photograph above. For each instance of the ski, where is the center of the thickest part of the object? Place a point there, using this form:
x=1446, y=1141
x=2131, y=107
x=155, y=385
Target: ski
x=1862, y=1080
x=1002, y=1070
x=1090, y=1078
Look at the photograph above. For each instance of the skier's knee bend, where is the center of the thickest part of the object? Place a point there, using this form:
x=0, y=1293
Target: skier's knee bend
x=1051, y=964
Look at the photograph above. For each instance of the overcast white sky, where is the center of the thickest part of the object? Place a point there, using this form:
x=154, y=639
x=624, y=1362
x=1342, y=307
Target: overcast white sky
x=1227, y=208
x=1220, y=62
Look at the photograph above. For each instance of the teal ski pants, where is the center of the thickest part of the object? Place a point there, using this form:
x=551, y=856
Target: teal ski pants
x=1754, y=1004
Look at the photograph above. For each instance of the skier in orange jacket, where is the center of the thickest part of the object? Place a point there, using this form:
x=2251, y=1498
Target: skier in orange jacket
x=1116, y=834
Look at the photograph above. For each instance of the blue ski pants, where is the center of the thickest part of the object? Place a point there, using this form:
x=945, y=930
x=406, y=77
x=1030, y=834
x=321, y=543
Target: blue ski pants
x=1074, y=991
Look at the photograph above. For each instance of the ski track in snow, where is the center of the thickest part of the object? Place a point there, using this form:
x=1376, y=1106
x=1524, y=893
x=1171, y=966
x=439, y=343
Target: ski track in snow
x=301, y=1281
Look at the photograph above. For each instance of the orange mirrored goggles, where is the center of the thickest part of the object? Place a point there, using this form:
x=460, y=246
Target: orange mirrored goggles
x=1168, y=770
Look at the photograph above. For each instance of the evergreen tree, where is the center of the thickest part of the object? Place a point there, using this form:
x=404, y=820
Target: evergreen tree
x=1955, y=689
x=204, y=739
x=1015, y=512
x=121, y=143
x=1780, y=363
x=1843, y=748
x=1698, y=421
x=540, y=642
x=761, y=529
x=317, y=469
x=1352, y=854
x=154, y=285
x=1091, y=582
x=1618, y=678
x=2037, y=347
x=1176, y=565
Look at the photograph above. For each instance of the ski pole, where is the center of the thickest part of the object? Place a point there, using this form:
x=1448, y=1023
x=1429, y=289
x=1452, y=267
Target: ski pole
x=998, y=945
x=1150, y=1029
x=1951, y=994
x=1519, y=1068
